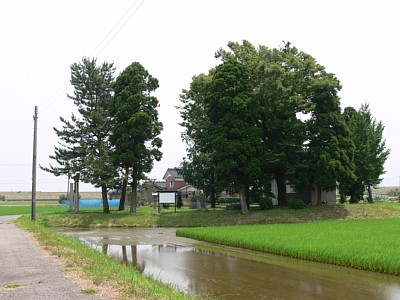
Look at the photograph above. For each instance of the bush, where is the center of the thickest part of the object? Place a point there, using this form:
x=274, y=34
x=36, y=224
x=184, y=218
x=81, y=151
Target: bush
x=2, y=198
x=179, y=202
x=62, y=199
x=266, y=203
x=296, y=203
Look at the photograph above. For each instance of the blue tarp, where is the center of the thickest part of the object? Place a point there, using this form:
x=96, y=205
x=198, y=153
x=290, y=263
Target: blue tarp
x=93, y=202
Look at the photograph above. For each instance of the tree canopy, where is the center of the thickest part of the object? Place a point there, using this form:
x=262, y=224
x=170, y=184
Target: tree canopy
x=136, y=126
x=267, y=114
x=370, y=151
x=85, y=149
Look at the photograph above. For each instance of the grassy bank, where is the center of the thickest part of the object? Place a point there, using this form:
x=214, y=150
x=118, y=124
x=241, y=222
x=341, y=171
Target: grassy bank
x=148, y=217
x=100, y=269
x=363, y=244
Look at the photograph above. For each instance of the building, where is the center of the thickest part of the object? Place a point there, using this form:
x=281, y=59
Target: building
x=174, y=181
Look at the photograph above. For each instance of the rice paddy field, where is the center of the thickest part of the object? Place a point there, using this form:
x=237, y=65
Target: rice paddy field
x=371, y=244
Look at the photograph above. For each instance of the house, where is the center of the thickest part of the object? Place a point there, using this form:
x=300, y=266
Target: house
x=309, y=196
x=150, y=190
x=174, y=181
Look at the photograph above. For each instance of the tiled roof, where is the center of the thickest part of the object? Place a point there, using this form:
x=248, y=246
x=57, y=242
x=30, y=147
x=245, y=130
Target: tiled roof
x=174, y=173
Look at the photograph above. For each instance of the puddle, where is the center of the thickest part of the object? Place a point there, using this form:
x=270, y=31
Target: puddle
x=231, y=273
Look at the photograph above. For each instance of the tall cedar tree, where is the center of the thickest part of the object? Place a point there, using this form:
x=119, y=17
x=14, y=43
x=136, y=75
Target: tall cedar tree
x=235, y=138
x=329, y=149
x=136, y=130
x=198, y=168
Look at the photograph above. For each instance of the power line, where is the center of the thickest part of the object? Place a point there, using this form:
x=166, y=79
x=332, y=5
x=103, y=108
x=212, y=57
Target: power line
x=114, y=27
x=64, y=87
x=122, y=26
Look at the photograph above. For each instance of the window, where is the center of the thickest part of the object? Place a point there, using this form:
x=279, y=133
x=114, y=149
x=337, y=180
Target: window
x=171, y=184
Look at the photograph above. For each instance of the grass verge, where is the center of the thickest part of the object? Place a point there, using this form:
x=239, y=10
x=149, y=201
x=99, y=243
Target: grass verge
x=363, y=244
x=184, y=217
x=98, y=267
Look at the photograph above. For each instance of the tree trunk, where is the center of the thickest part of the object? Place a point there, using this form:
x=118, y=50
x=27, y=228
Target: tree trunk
x=123, y=191
x=319, y=195
x=132, y=208
x=213, y=192
x=280, y=181
x=76, y=196
x=124, y=255
x=104, y=196
x=353, y=197
x=370, y=199
x=248, y=196
x=243, y=203
x=71, y=197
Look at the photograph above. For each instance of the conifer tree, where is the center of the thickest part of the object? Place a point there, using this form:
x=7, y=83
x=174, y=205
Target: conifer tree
x=135, y=135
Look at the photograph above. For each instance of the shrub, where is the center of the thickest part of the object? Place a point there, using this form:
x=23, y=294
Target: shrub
x=2, y=198
x=179, y=202
x=296, y=203
x=266, y=203
x=62, y=199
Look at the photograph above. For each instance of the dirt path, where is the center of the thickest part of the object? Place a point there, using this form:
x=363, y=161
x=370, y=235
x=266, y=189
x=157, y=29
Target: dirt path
x=26, y=272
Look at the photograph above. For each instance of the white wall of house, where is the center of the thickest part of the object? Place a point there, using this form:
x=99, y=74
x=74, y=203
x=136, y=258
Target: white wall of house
x=327, y=197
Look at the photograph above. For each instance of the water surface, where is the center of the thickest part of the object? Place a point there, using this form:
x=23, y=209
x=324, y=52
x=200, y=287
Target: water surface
x=231, y=273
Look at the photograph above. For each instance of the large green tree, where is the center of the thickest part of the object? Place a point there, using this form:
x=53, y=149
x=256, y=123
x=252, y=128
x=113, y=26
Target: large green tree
x=370, y=151
x=135, y=135
x=85, y=149
x=291, y=120
x=329, y=146
x=280, y=78
x=92, y=95
x=198, y=168
x=235, y=139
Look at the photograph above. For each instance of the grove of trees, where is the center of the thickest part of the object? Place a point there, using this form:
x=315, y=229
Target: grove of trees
x=260, y=114
x=265, y=114
x=114, y=138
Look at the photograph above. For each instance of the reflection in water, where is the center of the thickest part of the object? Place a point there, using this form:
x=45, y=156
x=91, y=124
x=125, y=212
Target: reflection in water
x=197, y=271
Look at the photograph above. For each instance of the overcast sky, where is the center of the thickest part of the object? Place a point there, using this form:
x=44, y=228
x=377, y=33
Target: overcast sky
x=359, y=41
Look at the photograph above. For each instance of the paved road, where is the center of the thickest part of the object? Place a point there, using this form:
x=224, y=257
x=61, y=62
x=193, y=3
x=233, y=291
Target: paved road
x=39, y=276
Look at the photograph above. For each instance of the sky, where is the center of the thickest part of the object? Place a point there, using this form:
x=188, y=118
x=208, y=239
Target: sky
x=174, y=40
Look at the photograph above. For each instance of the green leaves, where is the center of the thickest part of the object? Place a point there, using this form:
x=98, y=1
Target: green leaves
x=134, y=113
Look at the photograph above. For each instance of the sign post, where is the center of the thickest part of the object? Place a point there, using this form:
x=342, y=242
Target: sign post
x=166, y=197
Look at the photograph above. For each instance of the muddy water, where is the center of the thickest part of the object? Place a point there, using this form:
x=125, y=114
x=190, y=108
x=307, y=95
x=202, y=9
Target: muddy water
x=233, y=273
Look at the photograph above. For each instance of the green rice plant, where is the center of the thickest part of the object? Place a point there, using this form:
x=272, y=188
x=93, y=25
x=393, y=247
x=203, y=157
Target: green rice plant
x=363, y=244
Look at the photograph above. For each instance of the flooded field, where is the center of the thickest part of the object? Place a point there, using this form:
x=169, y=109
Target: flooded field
x=229, y=273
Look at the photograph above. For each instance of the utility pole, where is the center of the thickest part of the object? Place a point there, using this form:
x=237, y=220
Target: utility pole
x=35, y=117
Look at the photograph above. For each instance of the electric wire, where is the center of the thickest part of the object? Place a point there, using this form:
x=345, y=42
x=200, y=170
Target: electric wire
x=64, y=87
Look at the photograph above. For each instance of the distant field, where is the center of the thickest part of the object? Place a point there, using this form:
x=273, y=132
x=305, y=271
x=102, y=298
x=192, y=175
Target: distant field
x=97, y=195
x=46, y=195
